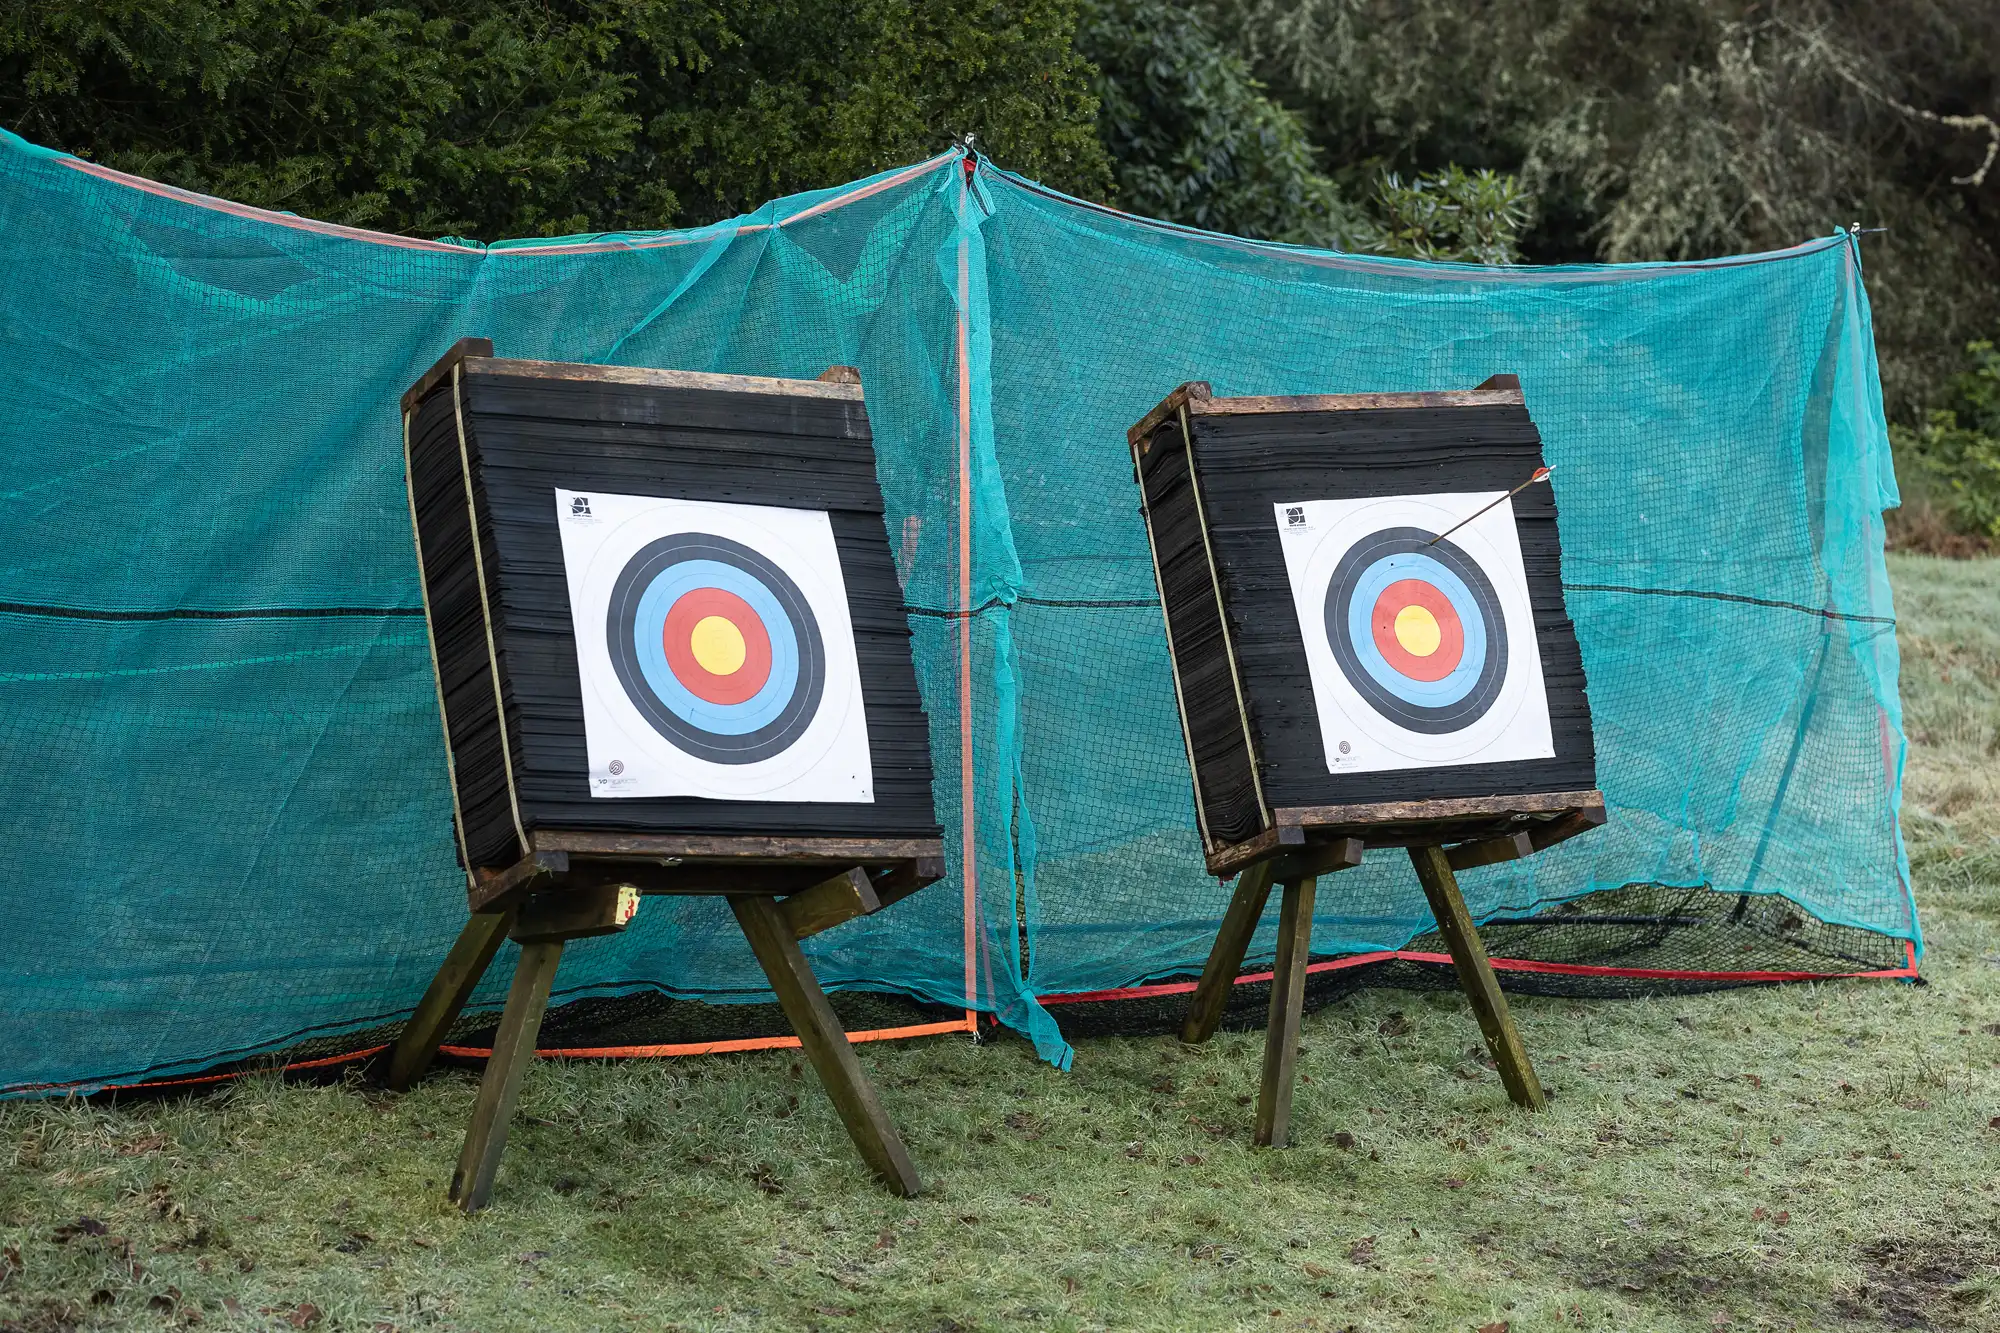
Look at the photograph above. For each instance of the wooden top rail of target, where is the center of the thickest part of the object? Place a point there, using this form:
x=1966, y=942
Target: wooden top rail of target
x=1313, y=731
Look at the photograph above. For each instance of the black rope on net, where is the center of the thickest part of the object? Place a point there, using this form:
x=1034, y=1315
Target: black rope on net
x=1826, y=612
x=62, y=612
x=1127, y=603
x=55, y=612
x=1594, y=920
x=1069, y=604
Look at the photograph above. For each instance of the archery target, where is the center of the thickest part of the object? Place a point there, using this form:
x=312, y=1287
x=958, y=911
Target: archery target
x=1422, y=652
x=715, y=650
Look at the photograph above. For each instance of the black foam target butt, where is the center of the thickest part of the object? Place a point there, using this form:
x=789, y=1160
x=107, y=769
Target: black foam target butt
x=1250, y=461
x=530, y=429
x=1224, y=564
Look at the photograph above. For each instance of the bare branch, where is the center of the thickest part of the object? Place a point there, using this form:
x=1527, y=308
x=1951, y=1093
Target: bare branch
x=1987, y=124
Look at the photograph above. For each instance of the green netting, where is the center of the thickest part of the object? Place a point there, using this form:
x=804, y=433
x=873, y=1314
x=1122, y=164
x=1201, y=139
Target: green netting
x=227, y=826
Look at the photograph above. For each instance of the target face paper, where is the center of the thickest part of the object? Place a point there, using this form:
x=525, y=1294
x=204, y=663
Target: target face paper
x=1422, y=653
x=715, y=650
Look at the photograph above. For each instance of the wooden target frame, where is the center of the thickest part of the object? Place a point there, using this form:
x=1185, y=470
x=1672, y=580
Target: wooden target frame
x=545, y=864
x=1261, y=816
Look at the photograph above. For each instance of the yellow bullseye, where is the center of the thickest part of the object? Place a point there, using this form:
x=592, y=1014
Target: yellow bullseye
x=719, y=649
x=1417, y=630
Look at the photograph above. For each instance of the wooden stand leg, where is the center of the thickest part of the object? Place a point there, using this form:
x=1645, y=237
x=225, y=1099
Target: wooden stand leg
x=1225, y=960
x=450, y=988
x=1288, y=1000
x=825, y=1041
x=1475, y=974
x=513, y=1050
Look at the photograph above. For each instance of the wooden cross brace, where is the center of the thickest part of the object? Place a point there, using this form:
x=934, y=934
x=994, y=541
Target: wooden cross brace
x=547, y=901
x=1298, y=866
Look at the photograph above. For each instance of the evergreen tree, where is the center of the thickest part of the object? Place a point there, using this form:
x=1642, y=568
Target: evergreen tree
x=495, y=118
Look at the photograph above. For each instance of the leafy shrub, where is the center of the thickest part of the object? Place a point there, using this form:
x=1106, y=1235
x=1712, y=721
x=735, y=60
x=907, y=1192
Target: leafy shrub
x=498, y=118
x=1474, y=217
x=1955, y=453
x=1193, y=137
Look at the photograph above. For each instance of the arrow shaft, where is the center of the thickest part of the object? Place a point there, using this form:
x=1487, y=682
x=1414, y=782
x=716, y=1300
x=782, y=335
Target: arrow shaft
x=1541, y=474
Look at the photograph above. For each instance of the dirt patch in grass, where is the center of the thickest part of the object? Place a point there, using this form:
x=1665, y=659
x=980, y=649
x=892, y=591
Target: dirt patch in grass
x=1907, y=1283
x=48, y=1317
x=1674, y=1275
x=1930, y=1282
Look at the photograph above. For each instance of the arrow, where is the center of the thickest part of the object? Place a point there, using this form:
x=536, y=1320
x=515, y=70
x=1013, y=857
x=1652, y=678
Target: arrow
x=1541, y=474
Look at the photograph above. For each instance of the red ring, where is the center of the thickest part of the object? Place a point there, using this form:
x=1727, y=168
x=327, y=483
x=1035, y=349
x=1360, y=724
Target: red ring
x=677, y=638
x=1451, y=633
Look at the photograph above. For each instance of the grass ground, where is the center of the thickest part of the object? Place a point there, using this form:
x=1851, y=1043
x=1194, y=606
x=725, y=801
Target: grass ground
x=1800, y=1157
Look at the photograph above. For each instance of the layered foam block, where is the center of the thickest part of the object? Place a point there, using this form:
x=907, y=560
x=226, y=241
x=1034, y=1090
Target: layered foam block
x=661, y=601
x=1362, y=607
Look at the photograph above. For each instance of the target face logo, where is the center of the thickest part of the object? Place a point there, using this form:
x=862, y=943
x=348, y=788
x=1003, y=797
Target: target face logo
x=715, y=651
x=1422, y=650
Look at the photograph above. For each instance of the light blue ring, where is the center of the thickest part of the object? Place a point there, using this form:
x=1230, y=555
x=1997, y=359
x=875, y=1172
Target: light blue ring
x=649, y=624
x=1360, y=630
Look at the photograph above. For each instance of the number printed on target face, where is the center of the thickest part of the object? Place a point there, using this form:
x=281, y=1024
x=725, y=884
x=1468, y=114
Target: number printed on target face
x=1422, y=650
x=715, y=651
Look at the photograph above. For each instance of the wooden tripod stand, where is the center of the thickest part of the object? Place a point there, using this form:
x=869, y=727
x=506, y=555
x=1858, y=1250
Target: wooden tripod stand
x=1296, y=855
x=575, y=885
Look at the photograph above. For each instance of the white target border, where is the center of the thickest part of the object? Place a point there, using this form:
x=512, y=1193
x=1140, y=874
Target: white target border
x=828, y=764
x=1315, y=534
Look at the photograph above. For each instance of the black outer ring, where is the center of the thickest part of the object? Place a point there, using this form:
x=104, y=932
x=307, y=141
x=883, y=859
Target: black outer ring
x=1340, y=591
x=774, y=736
